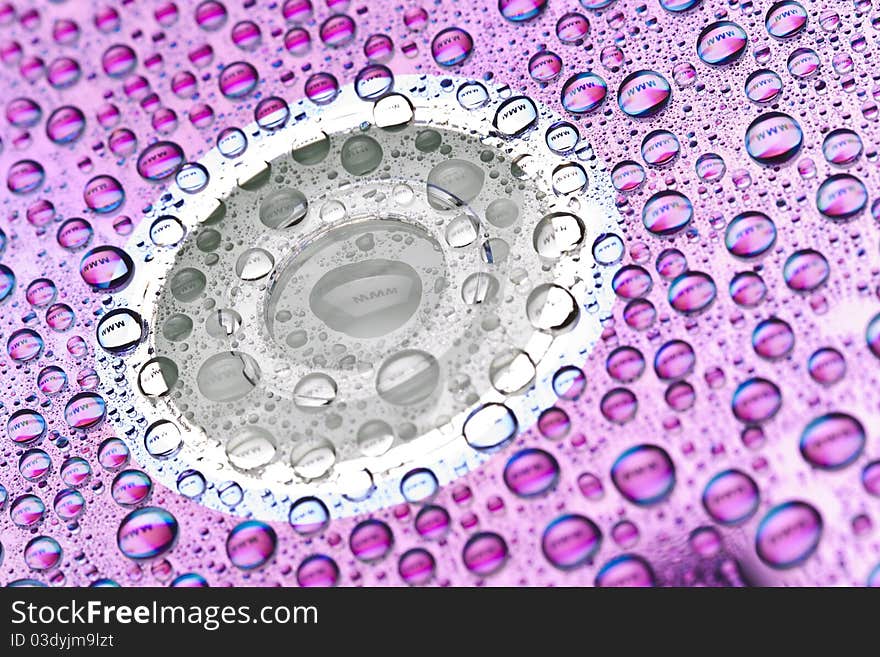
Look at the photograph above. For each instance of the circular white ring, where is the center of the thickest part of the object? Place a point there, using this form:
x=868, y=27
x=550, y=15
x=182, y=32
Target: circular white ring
x=434, y=101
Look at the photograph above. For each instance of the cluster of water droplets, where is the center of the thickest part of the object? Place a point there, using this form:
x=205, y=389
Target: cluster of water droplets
x=365, y=289
x=195, y=392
